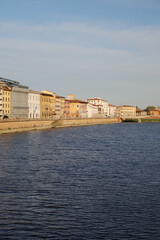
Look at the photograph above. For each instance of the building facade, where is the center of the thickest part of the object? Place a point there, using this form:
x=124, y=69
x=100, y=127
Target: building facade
x=140, y=112
x=67, y=109
x=126, y=111
x=34, y=104
x=102, y=104
x=92, y=110
x=78, y=108
x=59, y=106
x=47, y=104
x=112, y=110
x=1, y=103
x=5, y=102
x=154, y=112
x=19, y=102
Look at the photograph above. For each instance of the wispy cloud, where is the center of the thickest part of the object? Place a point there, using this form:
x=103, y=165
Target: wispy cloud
x=69, y=53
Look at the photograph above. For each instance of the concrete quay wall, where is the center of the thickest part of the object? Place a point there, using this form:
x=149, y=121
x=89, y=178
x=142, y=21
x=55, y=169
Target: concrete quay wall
x=23, y=125
x=85, y=121
x=28, y=125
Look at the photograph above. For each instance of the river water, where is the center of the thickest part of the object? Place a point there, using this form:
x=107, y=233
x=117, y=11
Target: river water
x=81, y=183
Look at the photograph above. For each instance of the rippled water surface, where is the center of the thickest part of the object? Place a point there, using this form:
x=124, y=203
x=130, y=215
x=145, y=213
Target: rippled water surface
x=95, y=182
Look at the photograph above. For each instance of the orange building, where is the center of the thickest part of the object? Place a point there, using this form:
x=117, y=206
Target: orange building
x=154, y=112
x=78, y=108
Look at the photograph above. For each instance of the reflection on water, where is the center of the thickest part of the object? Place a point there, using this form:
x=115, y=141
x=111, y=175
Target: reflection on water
x=95, y=182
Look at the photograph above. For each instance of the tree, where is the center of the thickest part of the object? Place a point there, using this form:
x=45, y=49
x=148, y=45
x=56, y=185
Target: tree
x=150, y=108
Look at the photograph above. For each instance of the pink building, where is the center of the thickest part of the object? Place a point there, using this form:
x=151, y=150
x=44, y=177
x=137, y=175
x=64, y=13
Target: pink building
x=67, y=109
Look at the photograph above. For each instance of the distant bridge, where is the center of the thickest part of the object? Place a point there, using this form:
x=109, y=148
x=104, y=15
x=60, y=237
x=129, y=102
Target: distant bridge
x=123, y=118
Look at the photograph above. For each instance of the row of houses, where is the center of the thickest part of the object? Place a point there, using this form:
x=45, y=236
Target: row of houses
x=18, y=101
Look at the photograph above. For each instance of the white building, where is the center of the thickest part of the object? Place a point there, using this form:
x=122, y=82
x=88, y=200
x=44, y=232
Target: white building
x=92, y=110
x=100, y=102
x=112, y=110
x=34, y=104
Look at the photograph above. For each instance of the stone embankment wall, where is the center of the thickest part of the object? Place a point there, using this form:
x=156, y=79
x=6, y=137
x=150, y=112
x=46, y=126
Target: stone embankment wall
x=23, y=125
x=85, y=121
x=28, y=125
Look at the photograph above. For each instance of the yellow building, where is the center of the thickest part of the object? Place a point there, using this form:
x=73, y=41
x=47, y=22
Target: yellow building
x=154, y=112
x=126, y=111
x=78, y=108
x=59, y=106
x=5, y=102
x=47, y=104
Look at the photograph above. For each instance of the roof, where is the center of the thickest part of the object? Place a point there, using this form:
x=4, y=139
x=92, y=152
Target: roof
x=11, y=83
x=32, y=91
x=97, y=98
x=154, y=110
x=94, y=99
x=126, y=106
x=111, y=105
x=77, y=101
x=47, y=93
x=140, y=110
x=7, y=88
x=59, y=96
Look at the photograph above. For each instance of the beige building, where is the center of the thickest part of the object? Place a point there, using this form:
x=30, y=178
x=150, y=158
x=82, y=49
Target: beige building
x=126, y=111
x=59, y=106
x=5, y=102
x=47, y=104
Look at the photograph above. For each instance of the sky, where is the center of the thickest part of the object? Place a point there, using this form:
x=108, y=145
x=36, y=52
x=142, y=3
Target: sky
x=92, y=48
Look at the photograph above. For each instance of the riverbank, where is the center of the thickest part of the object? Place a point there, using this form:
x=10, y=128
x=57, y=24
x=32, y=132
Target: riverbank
x=11, y=126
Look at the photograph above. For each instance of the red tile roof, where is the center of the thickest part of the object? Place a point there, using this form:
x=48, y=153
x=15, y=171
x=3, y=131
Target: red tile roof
x=111, y=105
x=59, y=96
x=32, y=91
x=126, y=106
x=94, y=99
x=77, y=101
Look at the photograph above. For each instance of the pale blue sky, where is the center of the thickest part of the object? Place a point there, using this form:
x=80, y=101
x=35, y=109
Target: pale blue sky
x=105, y=48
